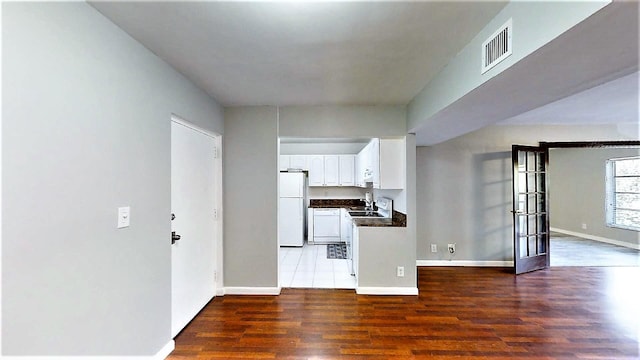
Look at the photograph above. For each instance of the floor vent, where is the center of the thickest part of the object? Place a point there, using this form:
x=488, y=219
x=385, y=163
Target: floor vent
x=497, y=47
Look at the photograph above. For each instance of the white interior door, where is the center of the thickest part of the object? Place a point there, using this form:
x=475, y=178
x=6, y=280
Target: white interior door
x=193, y=200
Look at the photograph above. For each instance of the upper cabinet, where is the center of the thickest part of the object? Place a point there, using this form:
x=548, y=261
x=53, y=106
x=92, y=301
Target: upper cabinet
x=331, y=170
x=347, y=170
x=284, y=162
x=316, y=170
x=298, y=162
x=382, y=162
x=390, y=172
x=359, y=171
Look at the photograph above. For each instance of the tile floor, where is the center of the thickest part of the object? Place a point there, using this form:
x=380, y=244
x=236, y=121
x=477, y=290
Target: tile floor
x=308, y=267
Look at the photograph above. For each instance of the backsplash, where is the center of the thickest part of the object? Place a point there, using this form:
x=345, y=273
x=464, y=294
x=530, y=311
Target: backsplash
x=336, y=193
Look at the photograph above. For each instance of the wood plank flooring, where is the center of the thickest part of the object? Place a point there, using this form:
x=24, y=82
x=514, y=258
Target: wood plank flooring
x=461, y=313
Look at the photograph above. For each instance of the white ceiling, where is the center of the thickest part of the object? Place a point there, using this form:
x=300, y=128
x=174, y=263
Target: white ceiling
x=377, y=53
x=305, y=53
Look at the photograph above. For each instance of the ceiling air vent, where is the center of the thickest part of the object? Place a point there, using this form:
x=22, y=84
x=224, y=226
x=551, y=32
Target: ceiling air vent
x=497, y=47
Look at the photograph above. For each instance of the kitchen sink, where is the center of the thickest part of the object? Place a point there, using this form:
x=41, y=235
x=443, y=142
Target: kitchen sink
x=364, y=214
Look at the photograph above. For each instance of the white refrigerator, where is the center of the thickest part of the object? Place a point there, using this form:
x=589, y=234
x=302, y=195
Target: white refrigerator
x=291, y=210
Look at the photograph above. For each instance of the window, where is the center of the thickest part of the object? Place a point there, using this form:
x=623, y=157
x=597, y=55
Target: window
x=623, y=193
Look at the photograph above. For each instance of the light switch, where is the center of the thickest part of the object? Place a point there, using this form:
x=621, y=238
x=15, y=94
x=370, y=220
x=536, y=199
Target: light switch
x=124, y=216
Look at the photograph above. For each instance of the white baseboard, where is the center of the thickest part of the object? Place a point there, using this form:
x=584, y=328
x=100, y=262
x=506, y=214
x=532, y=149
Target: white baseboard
x=160, y=355
x=597, y=238
x=165, y=351
x=220, y=292
x=386, y=290
x=242, y=290
x=470, y=263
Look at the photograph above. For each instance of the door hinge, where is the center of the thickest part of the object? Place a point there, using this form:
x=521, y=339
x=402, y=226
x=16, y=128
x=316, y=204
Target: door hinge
x=215, y=214
x=215, y=152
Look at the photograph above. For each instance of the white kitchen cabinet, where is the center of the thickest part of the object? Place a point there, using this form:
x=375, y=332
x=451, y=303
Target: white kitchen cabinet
x=375, y=162
x=324, y=170
x=316, y=170
x=310, y=225
x=385, y=160
x=284, y=162
x=298, y=162
x=344, y=224
x=347, y=170
x=391, y=162
x=358, y=173
x=365, y=164
x=331, y=170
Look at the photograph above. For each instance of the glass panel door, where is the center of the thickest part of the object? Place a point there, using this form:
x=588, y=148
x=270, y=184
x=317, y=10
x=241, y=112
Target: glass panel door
x=530, y=213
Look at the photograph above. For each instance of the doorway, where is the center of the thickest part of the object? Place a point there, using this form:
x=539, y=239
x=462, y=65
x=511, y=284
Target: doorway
x=309, y=263
x=195, y=220
x=583, y=232
x=578, y=206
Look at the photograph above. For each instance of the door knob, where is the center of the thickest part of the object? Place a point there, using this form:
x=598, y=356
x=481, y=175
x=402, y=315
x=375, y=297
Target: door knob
x=174, y=237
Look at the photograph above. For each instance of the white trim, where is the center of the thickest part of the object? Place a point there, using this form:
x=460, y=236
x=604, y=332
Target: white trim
x=471, y=263
x=372, y=290
x=160, y=355
x=219, y=251
x=598, y=238
x=242, y=290
x=178, y=120
x=1, y=177
x=165, y=351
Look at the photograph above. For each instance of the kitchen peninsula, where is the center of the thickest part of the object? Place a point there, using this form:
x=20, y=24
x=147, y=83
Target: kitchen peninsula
x=371, y=242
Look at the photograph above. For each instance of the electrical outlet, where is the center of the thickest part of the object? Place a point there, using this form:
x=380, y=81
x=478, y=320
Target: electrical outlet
x=434, y=248
x=400, y=271
x=451, y=248
x=584, y=226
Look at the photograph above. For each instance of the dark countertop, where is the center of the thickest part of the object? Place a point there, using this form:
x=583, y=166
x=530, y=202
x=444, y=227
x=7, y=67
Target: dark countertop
x=399, y=219
x=357, y=204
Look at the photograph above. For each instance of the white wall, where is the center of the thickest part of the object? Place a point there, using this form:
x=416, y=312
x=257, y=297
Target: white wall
x=328, y=148
x=251, y=197
x=342, y=121
x=86, y=129
x=464, y=188
x=577, y=192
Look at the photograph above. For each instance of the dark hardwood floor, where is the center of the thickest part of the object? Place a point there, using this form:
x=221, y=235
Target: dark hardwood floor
x=462, y=313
